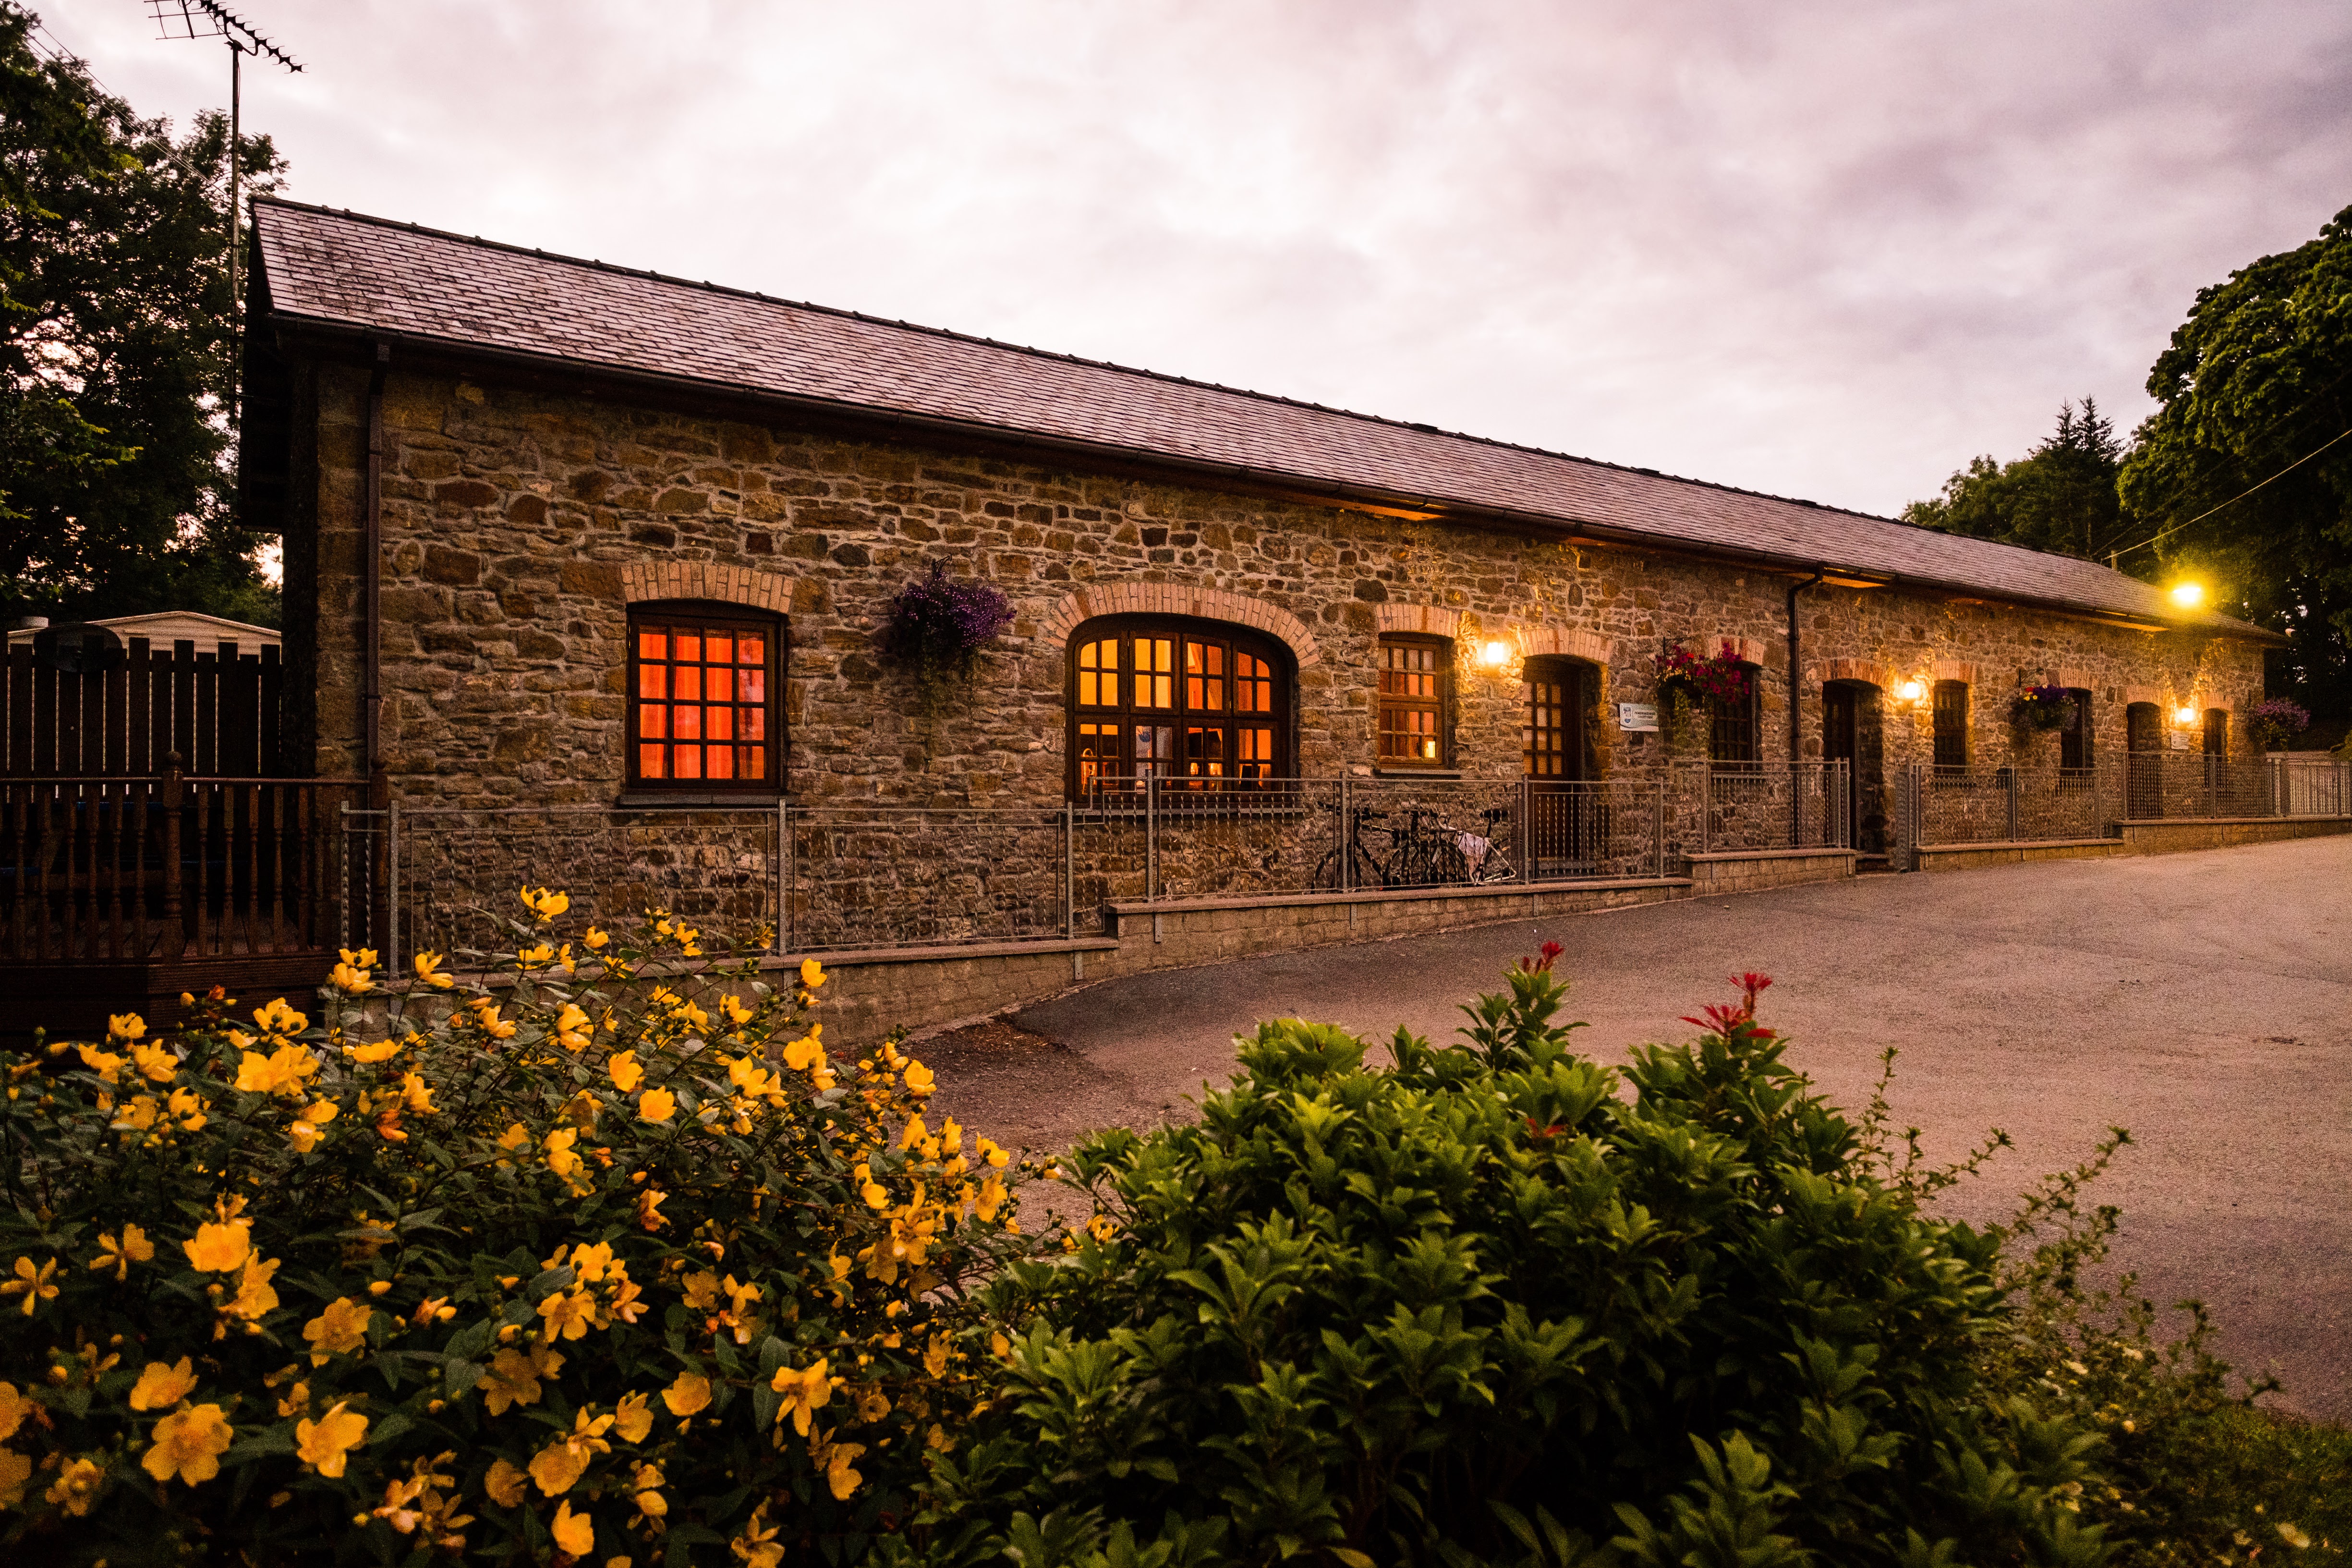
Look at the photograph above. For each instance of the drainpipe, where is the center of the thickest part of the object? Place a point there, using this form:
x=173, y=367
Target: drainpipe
x=371, y=609
x=1796, y=694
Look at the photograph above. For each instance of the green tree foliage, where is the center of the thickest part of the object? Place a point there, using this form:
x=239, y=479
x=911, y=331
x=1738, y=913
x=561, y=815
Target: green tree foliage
x=2235, y=474
x=116, y=342
x=2060, y=496
x=1486, y=1306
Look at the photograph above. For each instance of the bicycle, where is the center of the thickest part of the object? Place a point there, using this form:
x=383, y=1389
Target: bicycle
x=1367, y=868
x=1437, y=854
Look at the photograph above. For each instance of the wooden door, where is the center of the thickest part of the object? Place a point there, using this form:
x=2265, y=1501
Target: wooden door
x=2144, y=764
x=1564, y=827
x=1842, y=740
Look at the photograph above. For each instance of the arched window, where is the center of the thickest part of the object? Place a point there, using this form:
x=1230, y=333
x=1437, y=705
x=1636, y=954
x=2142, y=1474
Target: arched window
x=1731, y=736
x=706, y=711
x=2075, y=740
x=1416, y=680
x=1169, y=697
x=1555, y=694
x=1951, y=723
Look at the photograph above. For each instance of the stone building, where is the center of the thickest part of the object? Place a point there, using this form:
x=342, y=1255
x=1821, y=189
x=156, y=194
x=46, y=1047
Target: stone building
x=560, y=533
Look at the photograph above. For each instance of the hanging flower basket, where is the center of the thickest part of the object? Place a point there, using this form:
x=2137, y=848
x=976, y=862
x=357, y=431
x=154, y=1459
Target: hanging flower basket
x=2275, y=719
x=2042, y=707
x=1720, y=678
x=938, y=626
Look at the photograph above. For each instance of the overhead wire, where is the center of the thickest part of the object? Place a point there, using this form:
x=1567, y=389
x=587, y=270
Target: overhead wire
x=2165, y=533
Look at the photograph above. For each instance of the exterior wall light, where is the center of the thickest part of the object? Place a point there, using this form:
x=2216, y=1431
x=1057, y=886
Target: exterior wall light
x=2184, y=715
x=1494, y=655
x=1910, y=691
x=2187, y=595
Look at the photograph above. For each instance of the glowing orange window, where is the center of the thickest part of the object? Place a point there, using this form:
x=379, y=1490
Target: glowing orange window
x=703, y=701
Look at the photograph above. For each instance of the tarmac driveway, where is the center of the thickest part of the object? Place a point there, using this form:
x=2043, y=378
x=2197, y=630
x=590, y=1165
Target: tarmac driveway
x=2204, y=1001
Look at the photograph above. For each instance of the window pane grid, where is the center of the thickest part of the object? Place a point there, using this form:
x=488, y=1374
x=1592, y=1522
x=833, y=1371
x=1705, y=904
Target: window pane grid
x=702, y=694
x=1951, y=720
x=1171, y=707
x=1409, y=726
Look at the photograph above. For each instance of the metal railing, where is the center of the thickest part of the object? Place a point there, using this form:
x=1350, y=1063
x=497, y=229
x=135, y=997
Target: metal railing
x=1999, y=806
x=166, y=867
x=1730, y=807
x=2187, y=786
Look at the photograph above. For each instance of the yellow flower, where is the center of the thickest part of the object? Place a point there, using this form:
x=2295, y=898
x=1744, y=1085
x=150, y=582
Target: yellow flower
x=125, y=1026
x=2294, y=1536
x=32, y=1283
x=572, y=1532
x=156, y=1064
x=702, y=1290
x=77, y=1486
x=807, y=1052
x=534, y=957
x=350, y=982
x=649, y=1500
x=255, y=1298
x=428, y=971
x=325, y=1444
x=281, y=1072
x=513, y=1378
x=544, y=904
x=105, y=1063
x=689, y=1393
x=365, y=958
x=188, y=1443
x=635, y=1418
x=837, y=1473
x=595, y=939
x=418, y=1094
x=306, y=1126
x=189, y=1108
x=341, y=1329
x=573, y=1028
x=381, y=1051
x=160, y=1386
x=624, y=1073
x=1102, y=1227
x=918, y=1079
x=561, y=1158
x=15, y=1470
x=515, y=1136
x=804, y=1393
x=568, y=1317
x=737, y=1013
x=14, y=1409
x=277, y=1018
x=657, y=1105
x=812, y=974
x=758, y=1547
x=591, y=1263
x=136, y=1114
x=504, y=1483
x=649, y=1202
x=562, y=1462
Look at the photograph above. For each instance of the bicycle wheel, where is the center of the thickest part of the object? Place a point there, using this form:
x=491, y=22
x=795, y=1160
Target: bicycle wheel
x=1448, y=867
x=1326, y=878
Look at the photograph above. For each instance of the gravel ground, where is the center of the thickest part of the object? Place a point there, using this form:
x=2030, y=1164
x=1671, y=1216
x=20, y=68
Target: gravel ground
x=2204, y=1001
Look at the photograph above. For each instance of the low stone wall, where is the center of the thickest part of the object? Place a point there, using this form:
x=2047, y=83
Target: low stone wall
x=1964, y=856
x=2220, y=833
x=1753, y=870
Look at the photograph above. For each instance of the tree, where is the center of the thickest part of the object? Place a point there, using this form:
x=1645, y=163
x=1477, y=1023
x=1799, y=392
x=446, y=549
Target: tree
x=2060, y=496
x=2244, y=474
x=116, y=345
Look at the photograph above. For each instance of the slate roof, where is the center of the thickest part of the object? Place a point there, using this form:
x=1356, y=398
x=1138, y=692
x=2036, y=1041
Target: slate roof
x=339, y=270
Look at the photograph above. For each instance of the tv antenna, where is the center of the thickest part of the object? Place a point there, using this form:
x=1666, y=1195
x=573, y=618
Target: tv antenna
x=210, y=19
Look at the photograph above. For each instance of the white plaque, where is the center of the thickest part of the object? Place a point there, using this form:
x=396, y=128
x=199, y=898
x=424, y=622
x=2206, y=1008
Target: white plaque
x=1638, y=717
x=2180, y=741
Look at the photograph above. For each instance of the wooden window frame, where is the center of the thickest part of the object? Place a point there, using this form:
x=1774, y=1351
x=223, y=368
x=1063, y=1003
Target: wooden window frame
x=1579, y=680
x=2214, y=726
x=704, y=614
x=1438, y=706
x=2074, y=741
x=1738, y=728
x=1244, y=729
x=1954, y=756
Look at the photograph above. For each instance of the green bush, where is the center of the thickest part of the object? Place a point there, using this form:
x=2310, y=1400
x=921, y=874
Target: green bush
x=1482, y=1306
x=610, y=1264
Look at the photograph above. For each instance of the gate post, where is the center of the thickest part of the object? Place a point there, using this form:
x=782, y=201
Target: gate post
x=174, y=937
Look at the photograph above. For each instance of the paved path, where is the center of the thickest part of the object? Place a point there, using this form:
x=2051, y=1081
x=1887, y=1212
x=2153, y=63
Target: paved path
x=2202, y=1000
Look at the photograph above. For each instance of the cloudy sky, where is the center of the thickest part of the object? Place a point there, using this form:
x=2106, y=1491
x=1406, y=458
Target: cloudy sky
x=1822, y=247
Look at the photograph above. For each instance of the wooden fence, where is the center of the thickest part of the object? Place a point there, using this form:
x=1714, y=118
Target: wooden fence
x=136, y=707
x=118, y=893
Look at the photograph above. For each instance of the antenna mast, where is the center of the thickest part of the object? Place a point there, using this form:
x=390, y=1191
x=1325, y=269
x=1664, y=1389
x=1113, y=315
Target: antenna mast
x=210, y=19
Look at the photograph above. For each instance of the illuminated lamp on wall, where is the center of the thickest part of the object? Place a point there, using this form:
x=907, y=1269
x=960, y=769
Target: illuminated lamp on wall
x=1911, y=691
x=2184, y=715
x=1494, y=656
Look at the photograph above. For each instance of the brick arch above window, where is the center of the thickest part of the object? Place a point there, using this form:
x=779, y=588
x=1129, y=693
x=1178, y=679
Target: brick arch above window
x=1861, y=670
x=2071, y=677
x=1590, y=646
x=711, y=581
x=2151, y=695
x=1176, y=599
x=1428, y=620
x=1746, y=650
x=1958, y=670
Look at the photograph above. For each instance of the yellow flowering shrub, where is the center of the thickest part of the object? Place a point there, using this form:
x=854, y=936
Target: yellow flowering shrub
x=601, y=1255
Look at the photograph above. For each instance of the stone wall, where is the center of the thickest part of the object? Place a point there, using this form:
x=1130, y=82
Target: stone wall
x=518, y=525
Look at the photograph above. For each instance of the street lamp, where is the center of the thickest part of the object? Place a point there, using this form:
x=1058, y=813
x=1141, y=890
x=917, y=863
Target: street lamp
x=2188, y=595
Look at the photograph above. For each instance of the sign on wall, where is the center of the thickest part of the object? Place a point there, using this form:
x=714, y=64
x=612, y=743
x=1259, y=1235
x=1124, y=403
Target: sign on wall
x=2179, y=741
x=1638, y=717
